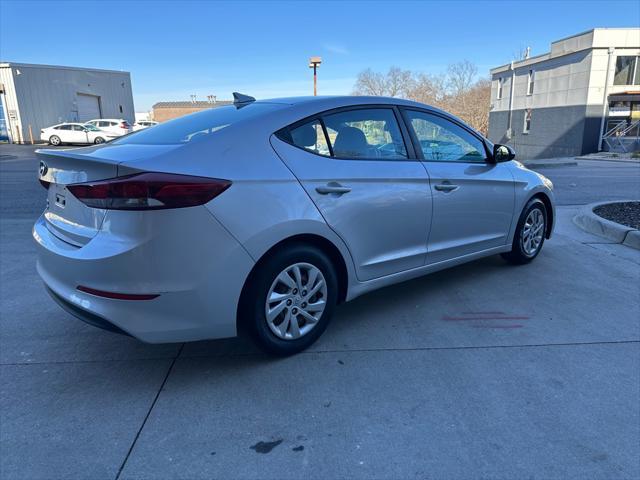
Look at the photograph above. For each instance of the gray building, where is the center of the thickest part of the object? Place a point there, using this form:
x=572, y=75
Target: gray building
x=563, y=102
x=38, y=96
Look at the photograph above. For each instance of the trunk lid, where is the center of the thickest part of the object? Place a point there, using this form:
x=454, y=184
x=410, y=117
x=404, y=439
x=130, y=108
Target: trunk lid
x=67, y=217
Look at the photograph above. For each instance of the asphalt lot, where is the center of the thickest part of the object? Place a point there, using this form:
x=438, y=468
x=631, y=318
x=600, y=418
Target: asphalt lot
x=405, y=383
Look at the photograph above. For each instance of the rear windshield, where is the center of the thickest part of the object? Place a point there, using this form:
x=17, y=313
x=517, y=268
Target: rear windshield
x=196, y=126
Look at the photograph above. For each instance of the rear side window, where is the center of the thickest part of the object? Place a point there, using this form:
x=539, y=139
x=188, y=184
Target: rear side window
x=443, y=141
x=196, y=126
x=363, y=133
x=310, y=136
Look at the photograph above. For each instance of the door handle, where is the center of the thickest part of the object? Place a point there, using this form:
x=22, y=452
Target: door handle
x=332, y=187
x=446, y=187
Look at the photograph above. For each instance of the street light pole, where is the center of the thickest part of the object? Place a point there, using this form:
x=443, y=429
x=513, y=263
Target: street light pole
x=314, y=62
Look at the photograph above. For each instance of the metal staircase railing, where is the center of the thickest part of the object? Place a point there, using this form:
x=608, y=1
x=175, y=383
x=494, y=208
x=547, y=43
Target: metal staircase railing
x=620, y=137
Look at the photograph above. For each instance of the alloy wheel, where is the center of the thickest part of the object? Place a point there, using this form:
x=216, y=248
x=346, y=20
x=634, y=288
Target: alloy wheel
x=532, y=232
x=296, y=300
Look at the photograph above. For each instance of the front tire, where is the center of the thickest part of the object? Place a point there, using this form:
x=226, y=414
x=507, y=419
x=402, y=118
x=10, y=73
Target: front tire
x=98, y=140
x=55, y=140
x=290, y=299
x=530, y=232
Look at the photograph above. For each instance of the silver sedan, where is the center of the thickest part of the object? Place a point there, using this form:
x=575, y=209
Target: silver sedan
x=262, y=216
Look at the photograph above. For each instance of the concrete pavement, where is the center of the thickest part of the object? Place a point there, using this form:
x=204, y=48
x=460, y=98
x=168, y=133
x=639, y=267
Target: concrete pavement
x=411, y=381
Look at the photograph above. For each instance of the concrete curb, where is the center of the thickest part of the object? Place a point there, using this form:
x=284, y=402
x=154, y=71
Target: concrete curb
x=592, y=223
x=633, y=239
x=633, y=161
x=533, y=165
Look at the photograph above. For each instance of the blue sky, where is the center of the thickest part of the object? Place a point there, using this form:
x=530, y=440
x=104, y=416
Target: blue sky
x=177, y=48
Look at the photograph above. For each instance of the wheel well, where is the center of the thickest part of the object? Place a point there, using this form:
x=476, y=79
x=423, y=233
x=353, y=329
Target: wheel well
x=309, y=239
x=549, y=208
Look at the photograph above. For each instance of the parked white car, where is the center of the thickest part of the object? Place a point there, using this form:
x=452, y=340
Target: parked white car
x=75, y=133
x=117, y=126
x=142, y=124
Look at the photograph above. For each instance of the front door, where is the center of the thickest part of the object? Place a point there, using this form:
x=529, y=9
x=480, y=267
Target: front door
x=473, y=199
x=355, y=166
x=78, y=134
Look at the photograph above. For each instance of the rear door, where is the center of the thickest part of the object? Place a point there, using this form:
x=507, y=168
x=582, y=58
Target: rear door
x=473, y=198
x=357, y=167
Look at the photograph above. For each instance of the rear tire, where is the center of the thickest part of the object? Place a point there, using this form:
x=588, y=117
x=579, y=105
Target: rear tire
x=55, y=140
x=530, y=233
x=284, y=314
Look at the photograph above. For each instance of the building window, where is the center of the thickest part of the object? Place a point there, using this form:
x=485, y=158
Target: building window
x=527, y=121
x=627, y=71
x=500, y=84
x=530, y=80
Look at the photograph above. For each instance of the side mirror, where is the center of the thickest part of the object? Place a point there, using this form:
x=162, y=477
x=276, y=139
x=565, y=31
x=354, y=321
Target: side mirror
x=503, y=153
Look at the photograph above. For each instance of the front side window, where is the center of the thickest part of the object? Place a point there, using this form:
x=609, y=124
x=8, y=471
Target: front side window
x=371, y=133
x=530, y=81
x=77, y=128
x=627, y=71
x=443, y=141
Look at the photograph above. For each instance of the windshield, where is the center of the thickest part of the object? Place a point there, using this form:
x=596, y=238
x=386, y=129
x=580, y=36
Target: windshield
x=91, y=128
x=195, y=126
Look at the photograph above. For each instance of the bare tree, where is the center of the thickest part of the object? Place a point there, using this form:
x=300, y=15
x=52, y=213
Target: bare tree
x=428, y=89
x=398, y=82
x=473, y=105
x=370, y=83
x=395, y=83
x=458, y=91
x=460, y=76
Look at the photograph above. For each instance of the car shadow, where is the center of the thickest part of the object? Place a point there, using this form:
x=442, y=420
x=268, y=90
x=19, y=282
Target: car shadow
x=383, y=301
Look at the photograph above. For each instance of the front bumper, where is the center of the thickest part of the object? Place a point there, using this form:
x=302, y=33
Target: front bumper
x=186, y=256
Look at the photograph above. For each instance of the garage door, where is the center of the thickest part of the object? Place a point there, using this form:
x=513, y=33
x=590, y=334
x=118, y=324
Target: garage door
x=88, y=107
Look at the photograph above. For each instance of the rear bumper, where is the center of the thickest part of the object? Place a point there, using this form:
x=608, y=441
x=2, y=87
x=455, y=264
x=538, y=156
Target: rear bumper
x=185, y=256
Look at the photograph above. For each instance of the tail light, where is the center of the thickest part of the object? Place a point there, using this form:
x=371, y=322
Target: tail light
x=149, y=191
x=124, y=125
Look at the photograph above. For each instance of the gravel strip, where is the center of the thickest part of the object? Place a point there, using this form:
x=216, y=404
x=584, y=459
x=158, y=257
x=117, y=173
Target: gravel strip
x=625, y=213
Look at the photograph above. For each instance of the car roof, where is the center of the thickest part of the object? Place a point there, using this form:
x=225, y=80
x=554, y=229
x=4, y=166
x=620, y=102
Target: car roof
x=302, y=107
x=346, y=99
x=328, y=102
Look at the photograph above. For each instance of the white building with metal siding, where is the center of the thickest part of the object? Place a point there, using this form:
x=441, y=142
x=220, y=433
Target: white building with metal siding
x=561, y=103
x=39, y=96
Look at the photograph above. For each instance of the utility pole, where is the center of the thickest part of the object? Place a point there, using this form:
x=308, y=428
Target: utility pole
x=314, y=62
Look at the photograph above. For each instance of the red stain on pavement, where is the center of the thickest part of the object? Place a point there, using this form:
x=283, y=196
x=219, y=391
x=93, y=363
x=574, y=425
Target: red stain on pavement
x=482, y=313
x=498, y=326
x=447, y=318
x=490, y=317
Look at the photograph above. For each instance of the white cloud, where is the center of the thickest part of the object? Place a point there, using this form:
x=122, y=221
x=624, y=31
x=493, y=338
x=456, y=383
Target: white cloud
x=337, y=49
